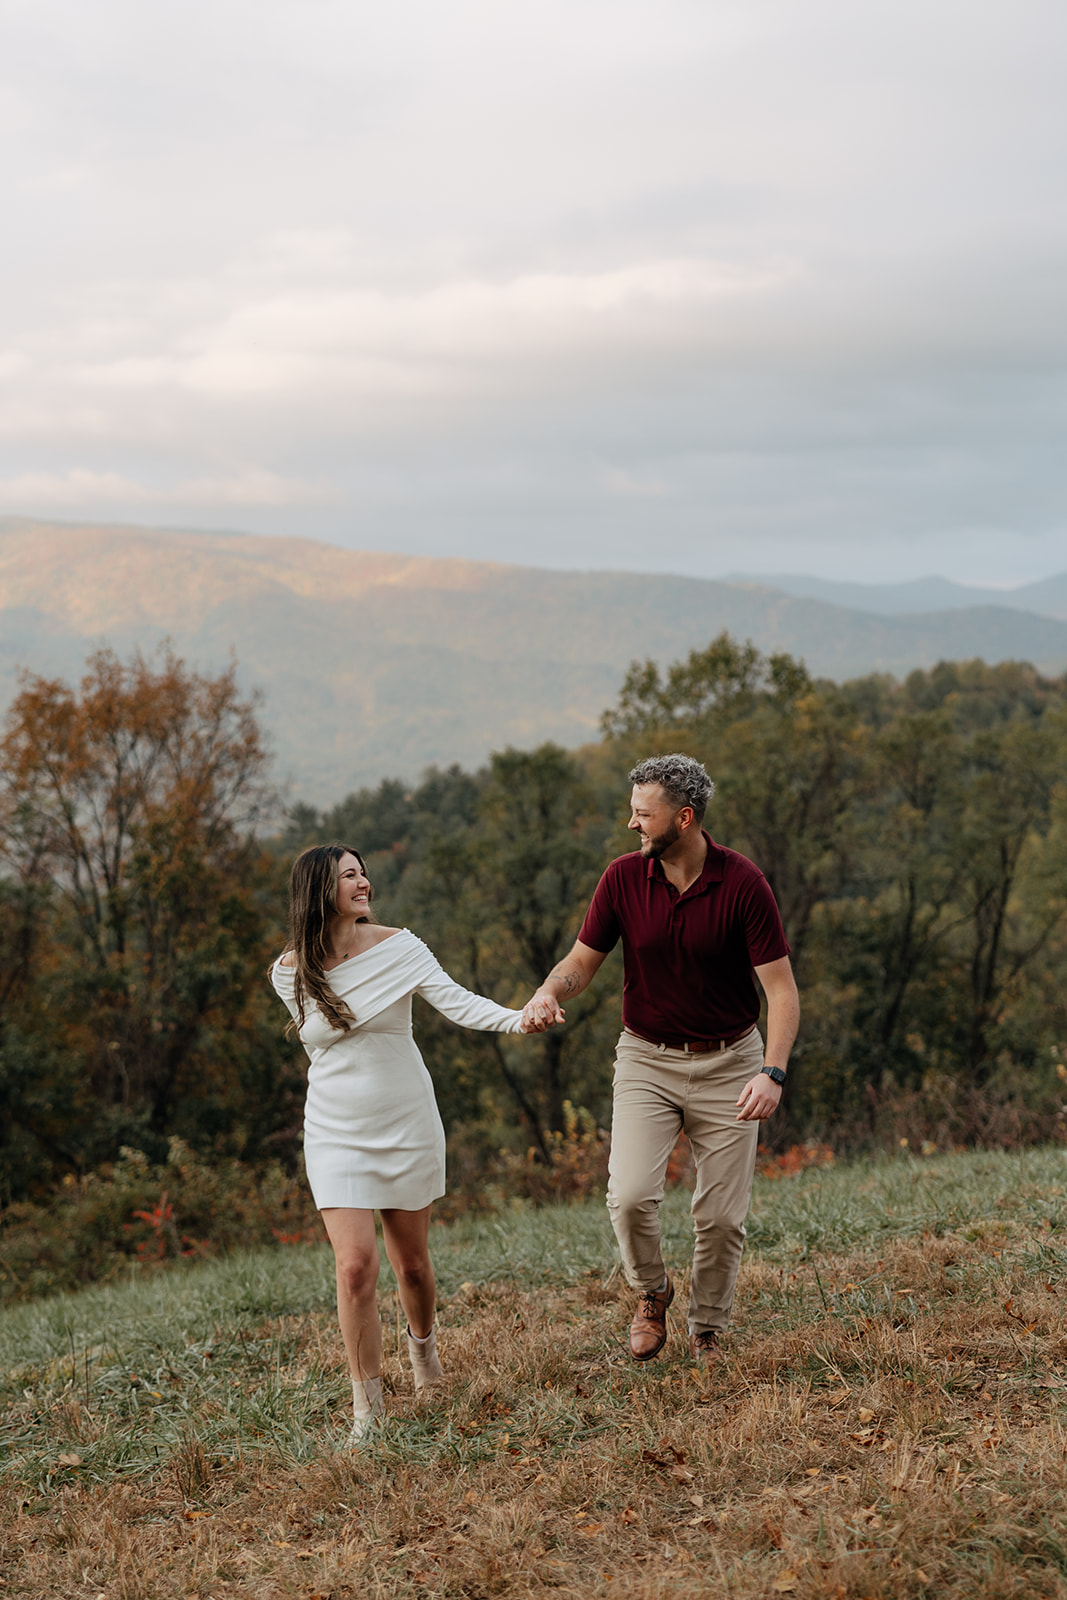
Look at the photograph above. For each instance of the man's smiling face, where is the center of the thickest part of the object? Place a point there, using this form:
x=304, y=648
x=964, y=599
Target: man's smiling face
x=653, y=817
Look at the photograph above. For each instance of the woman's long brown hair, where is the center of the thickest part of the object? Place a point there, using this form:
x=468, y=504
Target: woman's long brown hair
x=312, y=905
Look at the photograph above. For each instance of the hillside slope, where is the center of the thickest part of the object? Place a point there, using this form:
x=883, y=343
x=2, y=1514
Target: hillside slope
x=377, y=664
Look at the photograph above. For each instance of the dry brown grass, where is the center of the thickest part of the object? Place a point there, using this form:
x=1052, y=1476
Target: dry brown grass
x=887, y=1425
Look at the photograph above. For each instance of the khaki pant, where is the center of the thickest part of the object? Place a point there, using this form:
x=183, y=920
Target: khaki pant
x=659, y=1093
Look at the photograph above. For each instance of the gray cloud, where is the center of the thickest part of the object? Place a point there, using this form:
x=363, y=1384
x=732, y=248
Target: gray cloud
x=682, y=286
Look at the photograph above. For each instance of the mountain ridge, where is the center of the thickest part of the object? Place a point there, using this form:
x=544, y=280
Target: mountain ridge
x=1047, y=597
x=374, y=664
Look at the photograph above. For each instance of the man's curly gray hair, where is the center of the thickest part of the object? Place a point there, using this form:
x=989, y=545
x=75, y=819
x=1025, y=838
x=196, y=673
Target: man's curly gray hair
x=682, y=779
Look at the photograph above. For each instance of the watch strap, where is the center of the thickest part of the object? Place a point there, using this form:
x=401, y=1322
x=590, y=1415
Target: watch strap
x=775, y=1074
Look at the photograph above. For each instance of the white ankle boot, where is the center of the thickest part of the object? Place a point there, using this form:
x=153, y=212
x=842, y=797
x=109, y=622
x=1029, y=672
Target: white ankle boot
x=425, y=1365
x=368, y=1409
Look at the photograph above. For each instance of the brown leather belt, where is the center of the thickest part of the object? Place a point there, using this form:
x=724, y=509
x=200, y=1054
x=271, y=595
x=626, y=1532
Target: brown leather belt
x=694, y=1047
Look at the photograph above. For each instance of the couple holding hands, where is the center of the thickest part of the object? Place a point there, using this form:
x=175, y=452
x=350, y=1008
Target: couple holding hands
x=697, y=923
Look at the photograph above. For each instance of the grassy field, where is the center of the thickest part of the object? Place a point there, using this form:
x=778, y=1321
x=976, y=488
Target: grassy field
x=888, y=1417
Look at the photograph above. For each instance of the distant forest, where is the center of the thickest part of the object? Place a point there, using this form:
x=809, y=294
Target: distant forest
x=915, y=834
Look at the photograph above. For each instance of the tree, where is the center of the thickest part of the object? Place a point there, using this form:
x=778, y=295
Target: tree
x=959, y=886
x=127, y=821
x=504, y=898
x=786, y=754
x=711, y=688
x=1013, y=891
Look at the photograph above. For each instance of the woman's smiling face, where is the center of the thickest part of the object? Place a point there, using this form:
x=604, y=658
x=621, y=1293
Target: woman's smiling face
x=353, y=888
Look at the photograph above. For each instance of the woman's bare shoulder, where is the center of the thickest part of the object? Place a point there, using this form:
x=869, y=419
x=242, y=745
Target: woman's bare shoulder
x=376, y=934
x=287, y=958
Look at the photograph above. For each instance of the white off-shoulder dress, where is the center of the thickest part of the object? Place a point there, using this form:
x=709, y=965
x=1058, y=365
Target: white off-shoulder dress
x=373, y=1136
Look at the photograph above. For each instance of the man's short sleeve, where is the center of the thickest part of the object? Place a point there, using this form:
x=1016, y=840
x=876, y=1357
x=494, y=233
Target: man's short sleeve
x=601, y=930
x=764, y=933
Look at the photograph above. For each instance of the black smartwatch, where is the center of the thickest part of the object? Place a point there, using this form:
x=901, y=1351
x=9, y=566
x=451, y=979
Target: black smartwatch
x=775, y=1074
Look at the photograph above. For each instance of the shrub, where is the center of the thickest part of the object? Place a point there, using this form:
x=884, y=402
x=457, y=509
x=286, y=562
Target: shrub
x=137, y=1215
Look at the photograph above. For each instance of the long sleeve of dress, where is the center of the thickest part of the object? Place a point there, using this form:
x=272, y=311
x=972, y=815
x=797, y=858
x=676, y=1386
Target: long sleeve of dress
x=468, y=1009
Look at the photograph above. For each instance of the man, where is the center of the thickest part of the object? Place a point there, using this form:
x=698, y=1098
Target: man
x=696, y=920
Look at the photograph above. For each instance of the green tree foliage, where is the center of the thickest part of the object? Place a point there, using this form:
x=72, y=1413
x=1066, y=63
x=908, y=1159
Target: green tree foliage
x=913, y=836
x=507, y=897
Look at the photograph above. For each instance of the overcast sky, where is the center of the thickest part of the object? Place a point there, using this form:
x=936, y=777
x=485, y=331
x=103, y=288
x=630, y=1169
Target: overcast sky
x=675, y=285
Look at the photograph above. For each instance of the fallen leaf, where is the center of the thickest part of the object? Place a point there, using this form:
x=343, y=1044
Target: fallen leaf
x=628, y=1515
x=786, y=1583
x=812, y=1472
x=697, y=1500
x=194, y=1516
x=589, y=1530
x=921, y=1575
x=470, y=1498
x=69, y=1459
x=865, y=1415
x=681, y=1475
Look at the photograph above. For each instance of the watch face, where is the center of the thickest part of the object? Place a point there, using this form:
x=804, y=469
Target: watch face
x=775, y=1074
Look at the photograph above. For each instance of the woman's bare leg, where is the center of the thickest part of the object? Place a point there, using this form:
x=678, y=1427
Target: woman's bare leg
x=407, y=1244
x=355, y=1248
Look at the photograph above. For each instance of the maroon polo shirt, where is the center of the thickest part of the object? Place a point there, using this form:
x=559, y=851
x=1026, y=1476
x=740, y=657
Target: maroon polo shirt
x=688, y=957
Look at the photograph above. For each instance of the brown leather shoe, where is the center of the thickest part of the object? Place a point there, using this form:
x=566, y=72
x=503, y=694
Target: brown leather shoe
x=704, y=1347
x=648, y=1330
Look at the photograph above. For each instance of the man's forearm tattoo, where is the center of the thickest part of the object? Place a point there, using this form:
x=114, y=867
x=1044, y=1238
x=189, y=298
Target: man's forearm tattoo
x=571, y=980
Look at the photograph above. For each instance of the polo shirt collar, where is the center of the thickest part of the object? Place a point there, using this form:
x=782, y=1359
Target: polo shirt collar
x=712, y=871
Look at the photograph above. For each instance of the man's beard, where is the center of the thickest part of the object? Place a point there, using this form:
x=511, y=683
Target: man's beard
x=654, y=848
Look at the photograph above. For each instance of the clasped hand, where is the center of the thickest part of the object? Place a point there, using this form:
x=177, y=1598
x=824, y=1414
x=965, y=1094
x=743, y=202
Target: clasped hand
x=540, y=1013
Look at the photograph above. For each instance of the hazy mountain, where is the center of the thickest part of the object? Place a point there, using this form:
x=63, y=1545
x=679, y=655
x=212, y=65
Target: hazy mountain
x=1048, y=598
x=376, y=664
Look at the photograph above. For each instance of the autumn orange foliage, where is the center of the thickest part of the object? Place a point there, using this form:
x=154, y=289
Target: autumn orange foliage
x=132, y=940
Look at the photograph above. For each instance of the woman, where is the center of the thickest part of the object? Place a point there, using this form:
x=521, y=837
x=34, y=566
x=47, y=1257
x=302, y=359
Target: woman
x=373, y=1139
